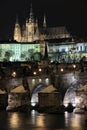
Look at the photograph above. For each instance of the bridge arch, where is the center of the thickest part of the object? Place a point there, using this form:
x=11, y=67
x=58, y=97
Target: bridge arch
x=71, y=93
x=34, y=94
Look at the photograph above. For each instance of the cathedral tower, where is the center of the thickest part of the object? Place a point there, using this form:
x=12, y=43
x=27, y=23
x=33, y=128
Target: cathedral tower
x=44, y=22
x=30, y=26
x=36, y=35
x=17, y=31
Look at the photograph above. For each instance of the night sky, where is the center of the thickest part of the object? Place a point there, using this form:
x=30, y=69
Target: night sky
x=69, y=13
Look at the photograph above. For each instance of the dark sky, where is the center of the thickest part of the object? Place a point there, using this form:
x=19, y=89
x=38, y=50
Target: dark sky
x=69, y=13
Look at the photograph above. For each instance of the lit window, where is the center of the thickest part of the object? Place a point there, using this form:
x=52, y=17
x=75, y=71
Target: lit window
x=33, y=81
x=40, y=80
x=47, y=81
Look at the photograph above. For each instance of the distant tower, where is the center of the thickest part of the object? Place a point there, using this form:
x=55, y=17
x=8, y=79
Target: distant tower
x=31, y=17
x=44, y=22
x=17, y=31
x=30, y=25
x=23, y=39
x=36, y=36
x=36, y=24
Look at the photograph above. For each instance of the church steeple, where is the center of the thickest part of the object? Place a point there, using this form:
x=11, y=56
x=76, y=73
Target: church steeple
x=44, y=22
x=31, y=17
x=36, y=25
x=17, y=31
x=36, y=36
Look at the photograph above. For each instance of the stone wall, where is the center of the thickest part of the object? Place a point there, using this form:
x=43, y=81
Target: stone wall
x=49, y=99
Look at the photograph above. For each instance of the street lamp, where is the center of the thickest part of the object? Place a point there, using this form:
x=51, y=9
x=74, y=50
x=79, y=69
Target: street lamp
x=74, y=66
x=40, y=69
x=14, y=74
x=34, y=73
x=61, y=69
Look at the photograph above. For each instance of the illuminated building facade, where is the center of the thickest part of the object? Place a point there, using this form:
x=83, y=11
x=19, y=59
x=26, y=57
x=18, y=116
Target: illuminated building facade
x=61, y=51
x=19, y=51
x=67, y=51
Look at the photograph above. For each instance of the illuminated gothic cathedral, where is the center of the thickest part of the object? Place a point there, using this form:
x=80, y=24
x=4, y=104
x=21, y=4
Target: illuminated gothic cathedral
x=31, y=32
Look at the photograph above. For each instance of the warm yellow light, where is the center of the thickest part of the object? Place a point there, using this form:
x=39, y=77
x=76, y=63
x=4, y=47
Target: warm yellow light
x=74, y=66
x=14, y=74
x=40, y=69
x=34, y=73
x=75, y=122
x=14, y=120
x=61, y=70
x=40, y=121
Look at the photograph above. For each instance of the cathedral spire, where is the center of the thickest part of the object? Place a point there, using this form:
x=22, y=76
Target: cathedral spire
x=17, y=31
x=44, y=22
x=31, y=17
x=36, y=30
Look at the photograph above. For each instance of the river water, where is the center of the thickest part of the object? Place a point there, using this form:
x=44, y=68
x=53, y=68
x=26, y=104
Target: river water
x=38, y=121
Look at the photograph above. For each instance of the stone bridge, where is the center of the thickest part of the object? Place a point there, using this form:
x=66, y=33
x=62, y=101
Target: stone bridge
x=66, y=83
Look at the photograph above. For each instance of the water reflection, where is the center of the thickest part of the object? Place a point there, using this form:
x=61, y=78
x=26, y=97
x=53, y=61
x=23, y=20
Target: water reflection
x=40, y=121
x=14, y=120
x=66, y=119
x=74, y=121
x=33, y=113
x=77, y=121
x=37, y=121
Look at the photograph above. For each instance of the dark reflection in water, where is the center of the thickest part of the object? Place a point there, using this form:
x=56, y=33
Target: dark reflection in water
x=37, y=121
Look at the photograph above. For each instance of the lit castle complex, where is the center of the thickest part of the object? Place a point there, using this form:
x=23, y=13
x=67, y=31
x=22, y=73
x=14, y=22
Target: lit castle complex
x=31, y=31
x=33, y=43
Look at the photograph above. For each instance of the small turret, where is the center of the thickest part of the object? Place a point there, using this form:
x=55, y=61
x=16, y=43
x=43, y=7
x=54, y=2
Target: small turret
x=36, y=32
x=44, y=22
x=36, y=27
x=17, y=31
x=31, y=17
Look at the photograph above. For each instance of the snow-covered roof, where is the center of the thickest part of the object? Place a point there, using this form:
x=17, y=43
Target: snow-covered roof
x=2, y=92
x=83, y=88
x=48, y=89
x=19, y=89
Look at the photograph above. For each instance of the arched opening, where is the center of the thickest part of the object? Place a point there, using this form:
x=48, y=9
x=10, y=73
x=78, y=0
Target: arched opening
x=34, y=96
x=70, y=94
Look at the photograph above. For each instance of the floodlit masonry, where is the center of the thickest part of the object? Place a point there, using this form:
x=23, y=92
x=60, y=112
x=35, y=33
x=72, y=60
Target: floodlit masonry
x=54, y=51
